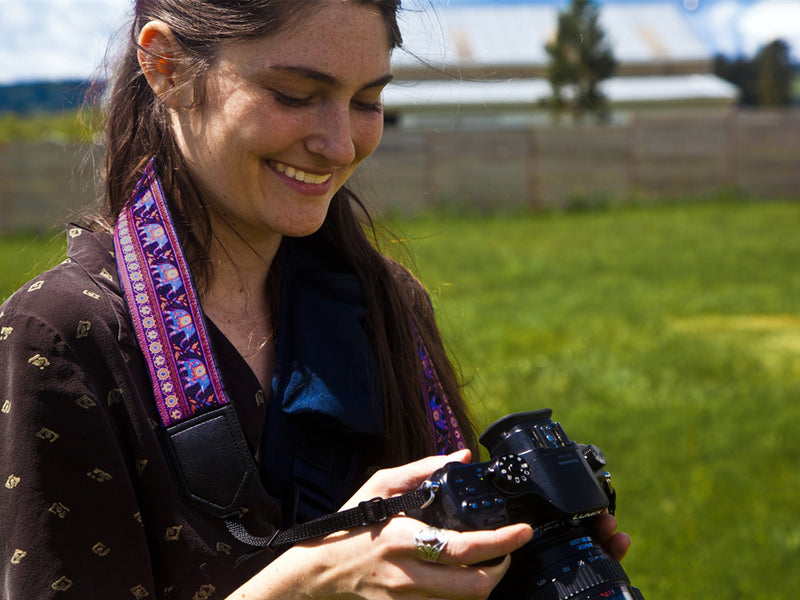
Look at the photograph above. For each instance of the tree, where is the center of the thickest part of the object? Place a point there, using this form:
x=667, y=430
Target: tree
x=774, y=74
x=765, y=80
x=742, y=73
x=580, y=58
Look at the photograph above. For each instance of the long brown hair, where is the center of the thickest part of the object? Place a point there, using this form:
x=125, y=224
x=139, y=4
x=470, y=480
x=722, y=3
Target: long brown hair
x=138, y=129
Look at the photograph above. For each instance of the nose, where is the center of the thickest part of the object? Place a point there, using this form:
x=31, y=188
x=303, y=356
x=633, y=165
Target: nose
x=332, y=137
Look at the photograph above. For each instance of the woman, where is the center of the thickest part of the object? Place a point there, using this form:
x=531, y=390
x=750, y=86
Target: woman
x=240, y=121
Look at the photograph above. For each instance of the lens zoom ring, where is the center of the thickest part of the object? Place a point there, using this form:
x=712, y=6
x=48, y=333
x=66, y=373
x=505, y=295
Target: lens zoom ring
x=606, y=571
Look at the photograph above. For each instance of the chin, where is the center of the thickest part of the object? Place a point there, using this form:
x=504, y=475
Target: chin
x=304, y=226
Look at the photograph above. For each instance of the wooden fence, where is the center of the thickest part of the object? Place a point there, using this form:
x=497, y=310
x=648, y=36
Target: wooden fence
x=652, y=157
x=43, y=184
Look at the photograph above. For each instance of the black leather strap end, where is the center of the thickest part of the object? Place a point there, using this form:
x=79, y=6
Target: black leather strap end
x=211, y=461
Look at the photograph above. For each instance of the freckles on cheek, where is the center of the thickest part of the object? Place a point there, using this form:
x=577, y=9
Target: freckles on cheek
x=370, y=139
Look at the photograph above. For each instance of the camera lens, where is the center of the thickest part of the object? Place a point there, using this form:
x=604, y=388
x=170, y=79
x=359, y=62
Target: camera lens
x=564, y=563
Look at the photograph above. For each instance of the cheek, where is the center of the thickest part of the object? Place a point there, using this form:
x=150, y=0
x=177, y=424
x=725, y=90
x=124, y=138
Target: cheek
x=367, y=135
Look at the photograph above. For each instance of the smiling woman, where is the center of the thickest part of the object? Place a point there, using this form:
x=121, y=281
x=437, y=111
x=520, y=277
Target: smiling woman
x=225, y=354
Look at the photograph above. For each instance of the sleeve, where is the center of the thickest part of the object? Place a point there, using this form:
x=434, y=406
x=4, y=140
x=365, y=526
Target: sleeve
x=70, y=526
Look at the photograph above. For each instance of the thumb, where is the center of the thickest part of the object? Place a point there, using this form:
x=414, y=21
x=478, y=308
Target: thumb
x=405, y=478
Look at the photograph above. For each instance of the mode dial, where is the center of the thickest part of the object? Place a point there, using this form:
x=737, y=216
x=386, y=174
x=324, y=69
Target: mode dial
x=510, y=473
x=595, y=457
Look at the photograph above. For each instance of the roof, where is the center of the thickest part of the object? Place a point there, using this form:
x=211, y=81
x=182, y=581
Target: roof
x=438, y=94
x=516, y=34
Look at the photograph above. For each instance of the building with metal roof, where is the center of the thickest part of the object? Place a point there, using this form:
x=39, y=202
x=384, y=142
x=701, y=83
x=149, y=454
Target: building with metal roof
x=487, y=63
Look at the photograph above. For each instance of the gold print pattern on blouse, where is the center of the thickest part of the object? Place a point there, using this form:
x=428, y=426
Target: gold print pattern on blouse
x=12, y=481
x=260, y=398
x=224, y=548
x=140, y=466
x=5, y=333
x=75, y=232
x=138, y=518
x=6, y=407
x=83, y=329
x=17, y=557
x=139, y=592
x=106, y=275
x=91, y=295
x=173, y=533
x=100, y=549
x=85, y=402
x=37, y=360
x=114, y=396
x=48, y=435
x=62, y=585
x=34, y=287
x=59, y=510
x=99, y=475
x=204, y=593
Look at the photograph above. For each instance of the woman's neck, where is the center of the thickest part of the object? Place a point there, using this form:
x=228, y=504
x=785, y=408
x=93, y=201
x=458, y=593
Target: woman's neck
x=237, y=299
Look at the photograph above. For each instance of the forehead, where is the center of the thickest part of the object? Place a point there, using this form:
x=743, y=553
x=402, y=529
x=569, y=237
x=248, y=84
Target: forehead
x=330, y=36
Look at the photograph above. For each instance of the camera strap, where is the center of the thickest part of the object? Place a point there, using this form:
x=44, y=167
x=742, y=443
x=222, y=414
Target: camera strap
x=203, y=438
x=369, y=512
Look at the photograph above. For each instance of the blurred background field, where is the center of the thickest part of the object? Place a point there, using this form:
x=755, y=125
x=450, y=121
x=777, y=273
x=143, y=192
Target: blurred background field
x=668, y=335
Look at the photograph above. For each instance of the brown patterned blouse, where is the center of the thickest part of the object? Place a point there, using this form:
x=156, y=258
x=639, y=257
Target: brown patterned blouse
x=88, y=507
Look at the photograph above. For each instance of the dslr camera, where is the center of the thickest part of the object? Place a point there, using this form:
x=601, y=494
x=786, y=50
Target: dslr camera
x=536, y=475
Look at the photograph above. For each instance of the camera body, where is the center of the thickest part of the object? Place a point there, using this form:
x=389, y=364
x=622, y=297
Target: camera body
x=536, y=475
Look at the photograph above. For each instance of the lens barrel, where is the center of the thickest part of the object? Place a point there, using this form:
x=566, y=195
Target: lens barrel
x=564, y=563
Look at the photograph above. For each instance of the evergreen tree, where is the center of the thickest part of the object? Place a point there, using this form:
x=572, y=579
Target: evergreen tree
x=580, y=58
x=742, y=73
x=774, y=74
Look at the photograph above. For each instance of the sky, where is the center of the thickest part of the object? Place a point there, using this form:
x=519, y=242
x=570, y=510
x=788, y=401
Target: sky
x=43, y=40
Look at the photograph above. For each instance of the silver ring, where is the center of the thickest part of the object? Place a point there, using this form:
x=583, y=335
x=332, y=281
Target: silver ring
x=430, y=542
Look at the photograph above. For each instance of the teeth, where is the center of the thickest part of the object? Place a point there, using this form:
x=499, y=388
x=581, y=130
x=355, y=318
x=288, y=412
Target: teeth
x=298, y=174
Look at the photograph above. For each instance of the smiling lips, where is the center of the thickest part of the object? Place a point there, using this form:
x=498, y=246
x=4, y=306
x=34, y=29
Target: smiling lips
x=299, y=175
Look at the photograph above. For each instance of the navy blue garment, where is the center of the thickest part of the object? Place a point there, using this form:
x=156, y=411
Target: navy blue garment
x=325, y=417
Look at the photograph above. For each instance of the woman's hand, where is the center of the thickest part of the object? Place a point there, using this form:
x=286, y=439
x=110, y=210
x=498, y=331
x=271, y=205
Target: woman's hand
x=615, y=543
x=382, y=562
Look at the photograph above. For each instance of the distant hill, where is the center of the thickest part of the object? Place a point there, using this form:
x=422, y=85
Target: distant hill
x=46, y=97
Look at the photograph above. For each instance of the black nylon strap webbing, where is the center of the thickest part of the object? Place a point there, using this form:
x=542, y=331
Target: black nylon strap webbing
x=366, y=513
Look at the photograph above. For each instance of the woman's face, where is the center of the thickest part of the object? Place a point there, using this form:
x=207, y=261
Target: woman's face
x=287, y=118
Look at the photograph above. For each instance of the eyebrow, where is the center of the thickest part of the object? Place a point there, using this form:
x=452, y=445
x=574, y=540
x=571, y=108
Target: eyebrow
x=308, y=73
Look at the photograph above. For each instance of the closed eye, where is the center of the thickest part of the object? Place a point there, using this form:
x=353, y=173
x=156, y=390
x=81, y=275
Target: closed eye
x=291, y=101
x=369, y=106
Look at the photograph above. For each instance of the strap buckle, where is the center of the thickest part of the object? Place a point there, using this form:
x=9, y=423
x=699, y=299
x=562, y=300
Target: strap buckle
x=373, y=511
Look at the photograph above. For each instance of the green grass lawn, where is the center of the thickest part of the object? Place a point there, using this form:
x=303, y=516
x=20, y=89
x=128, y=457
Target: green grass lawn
x=24, y=256
x=669, y=336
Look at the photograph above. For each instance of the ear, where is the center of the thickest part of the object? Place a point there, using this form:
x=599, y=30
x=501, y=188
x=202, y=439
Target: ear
x=158, y=54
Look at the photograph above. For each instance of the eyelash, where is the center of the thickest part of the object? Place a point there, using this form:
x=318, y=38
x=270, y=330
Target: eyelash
x=293, y=102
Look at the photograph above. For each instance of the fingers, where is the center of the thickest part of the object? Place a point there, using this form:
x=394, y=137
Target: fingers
x=615, y=543
x=473, y=547
x=462, y=569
